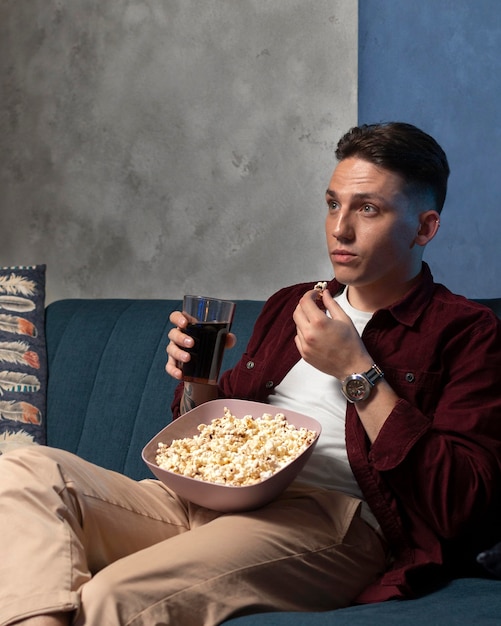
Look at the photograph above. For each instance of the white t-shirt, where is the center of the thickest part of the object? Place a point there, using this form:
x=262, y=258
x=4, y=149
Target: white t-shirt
x=311, y=392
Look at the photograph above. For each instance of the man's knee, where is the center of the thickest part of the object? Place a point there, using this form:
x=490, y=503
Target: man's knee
x=25, y=459
x=104, y=599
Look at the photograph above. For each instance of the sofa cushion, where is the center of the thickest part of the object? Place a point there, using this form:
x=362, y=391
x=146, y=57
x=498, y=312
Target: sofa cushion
x=23, y=367
x=107, y=388
x=108, y=392
x=462, y=601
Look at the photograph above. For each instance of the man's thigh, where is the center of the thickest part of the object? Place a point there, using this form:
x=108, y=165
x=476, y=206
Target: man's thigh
x=109, y=515
x=309, y=550
x=118, y=516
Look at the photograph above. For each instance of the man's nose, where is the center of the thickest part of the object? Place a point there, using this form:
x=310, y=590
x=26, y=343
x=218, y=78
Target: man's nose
x=342, y=226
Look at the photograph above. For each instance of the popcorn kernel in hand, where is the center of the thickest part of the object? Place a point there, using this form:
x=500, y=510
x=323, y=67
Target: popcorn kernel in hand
x=320, y=287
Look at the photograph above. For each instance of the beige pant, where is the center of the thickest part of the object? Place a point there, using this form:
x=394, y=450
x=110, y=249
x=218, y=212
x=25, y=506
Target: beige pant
x=75, y=537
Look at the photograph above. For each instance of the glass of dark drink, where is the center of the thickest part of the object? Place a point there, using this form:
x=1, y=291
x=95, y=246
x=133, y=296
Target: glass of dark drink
x=209, y=322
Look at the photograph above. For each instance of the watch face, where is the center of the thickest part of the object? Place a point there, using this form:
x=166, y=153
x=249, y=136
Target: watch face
x=356, y=388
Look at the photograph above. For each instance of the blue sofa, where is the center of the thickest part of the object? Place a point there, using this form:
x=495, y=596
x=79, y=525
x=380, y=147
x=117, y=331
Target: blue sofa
x=108, y=394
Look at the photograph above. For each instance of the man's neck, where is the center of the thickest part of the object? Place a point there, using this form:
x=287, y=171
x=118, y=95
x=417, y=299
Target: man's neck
x=374, y=297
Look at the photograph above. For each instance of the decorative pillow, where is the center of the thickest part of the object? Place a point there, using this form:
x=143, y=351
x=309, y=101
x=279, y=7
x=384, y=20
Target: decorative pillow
x=23, y=356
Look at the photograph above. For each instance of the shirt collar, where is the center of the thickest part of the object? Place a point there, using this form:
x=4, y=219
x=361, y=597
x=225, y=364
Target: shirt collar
x=409, y=308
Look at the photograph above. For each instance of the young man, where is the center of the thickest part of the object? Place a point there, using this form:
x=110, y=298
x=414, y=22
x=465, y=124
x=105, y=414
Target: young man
x=401, y=489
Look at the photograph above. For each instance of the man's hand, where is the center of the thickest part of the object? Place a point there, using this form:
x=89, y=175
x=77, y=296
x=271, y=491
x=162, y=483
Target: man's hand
x=330, y=344
x=194, y=393
x=176, y=349
x=180, y=341
x=335, y=347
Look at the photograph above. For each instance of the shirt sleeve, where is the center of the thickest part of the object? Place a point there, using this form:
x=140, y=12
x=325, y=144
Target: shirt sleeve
x=445, y=466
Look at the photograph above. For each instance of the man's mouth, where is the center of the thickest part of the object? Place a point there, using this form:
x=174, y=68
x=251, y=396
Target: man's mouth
x=342, y=256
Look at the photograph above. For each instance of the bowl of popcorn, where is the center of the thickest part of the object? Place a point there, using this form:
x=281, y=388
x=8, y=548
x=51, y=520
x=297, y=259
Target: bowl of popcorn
x=232, y=455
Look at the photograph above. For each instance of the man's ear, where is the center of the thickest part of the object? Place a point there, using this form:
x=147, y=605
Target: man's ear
x=429, y=223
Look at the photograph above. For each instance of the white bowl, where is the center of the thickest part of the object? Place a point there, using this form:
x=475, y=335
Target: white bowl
x=228, y=498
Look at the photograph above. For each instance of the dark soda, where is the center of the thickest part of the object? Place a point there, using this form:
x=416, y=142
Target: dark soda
x=207, y=353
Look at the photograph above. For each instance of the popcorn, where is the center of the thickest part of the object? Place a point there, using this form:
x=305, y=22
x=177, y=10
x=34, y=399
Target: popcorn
x=236, y=452
x=321, y=286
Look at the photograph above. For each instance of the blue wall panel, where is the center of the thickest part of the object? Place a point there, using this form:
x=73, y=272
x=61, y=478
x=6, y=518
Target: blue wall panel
x=437, y=64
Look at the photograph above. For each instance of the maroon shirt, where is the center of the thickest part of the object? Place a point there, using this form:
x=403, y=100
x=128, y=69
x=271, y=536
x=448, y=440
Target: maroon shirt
x=432, y=475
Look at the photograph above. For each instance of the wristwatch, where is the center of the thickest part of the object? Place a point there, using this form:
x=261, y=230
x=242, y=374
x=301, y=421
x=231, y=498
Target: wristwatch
x=358, y=387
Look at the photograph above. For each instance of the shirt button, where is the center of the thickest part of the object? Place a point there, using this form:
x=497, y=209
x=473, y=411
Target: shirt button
x=269, y=384
x=250, y=365
x=409, y=377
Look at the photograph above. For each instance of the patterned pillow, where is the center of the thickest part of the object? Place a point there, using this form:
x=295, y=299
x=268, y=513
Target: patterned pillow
x=23, y=357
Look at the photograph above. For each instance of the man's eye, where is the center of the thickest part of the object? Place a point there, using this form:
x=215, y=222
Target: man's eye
x=332, y=205
x=368, y=208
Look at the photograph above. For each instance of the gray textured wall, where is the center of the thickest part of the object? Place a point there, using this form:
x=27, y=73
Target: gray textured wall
x=151, y=148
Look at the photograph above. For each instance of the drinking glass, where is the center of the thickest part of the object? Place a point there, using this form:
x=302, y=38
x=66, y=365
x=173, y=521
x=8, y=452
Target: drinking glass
x=209, y=322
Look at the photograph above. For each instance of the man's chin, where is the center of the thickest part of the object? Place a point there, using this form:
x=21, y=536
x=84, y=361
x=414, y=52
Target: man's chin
x=346, y=277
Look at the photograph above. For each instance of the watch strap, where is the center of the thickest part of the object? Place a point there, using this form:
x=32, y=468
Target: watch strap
x=373, y=374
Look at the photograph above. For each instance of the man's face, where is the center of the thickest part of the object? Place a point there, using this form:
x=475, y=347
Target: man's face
x=371, y=227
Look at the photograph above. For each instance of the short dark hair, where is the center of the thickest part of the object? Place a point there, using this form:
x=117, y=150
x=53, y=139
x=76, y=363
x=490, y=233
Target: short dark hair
x=401, y=148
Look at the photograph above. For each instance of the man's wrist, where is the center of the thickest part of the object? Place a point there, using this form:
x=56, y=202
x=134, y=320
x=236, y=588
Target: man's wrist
x=187, y=402
x=195, y=394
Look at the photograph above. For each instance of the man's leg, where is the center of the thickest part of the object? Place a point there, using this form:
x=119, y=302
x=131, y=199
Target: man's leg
x=63, y=519
x=309, y=550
